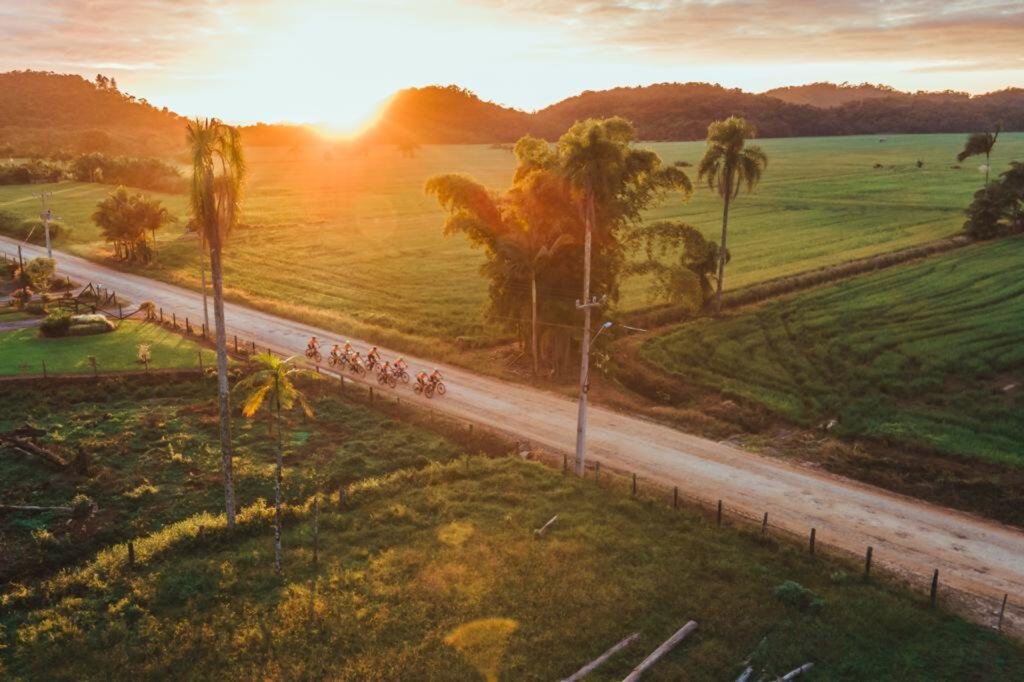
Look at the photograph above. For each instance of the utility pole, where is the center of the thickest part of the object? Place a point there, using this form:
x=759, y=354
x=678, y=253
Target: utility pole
x=585, y=305
x=46, y=216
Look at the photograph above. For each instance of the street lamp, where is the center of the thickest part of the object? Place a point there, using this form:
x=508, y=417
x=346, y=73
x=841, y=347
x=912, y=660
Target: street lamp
x=581, y=424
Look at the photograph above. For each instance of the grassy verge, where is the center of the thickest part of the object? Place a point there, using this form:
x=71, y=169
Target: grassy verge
x=417, y=555
x=22, y=352
x=927, y=355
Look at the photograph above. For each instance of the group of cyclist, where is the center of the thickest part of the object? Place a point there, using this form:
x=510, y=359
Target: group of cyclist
x=391, y=373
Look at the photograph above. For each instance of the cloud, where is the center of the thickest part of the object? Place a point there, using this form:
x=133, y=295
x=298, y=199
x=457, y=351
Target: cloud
x=117, y=35
x=789, y=31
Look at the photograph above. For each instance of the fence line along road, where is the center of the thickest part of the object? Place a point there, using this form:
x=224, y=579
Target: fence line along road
x=974, y=555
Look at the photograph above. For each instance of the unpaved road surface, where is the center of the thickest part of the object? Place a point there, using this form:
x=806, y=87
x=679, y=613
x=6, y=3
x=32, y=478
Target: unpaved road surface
x=981, y=558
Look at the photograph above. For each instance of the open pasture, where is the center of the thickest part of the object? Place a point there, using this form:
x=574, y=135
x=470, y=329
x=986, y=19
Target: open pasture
x=352, y=243
x=928, y=354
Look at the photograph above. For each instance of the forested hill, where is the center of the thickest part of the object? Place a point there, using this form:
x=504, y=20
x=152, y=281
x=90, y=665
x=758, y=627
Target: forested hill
x=674, y=111
x=828, y=95
x=52, y=115
x=45, y=113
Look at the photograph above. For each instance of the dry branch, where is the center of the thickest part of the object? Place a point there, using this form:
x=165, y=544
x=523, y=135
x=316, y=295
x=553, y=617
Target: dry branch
x=793, y=674
x=27, y=447
x=666, y=647
x=600, y=660
x=543, y=529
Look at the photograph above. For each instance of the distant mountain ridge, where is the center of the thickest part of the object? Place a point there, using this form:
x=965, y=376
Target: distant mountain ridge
x=58, y=115
x=682, y=111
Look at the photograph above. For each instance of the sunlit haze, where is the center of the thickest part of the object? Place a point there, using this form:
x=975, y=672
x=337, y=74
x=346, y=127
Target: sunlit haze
x=336, y=62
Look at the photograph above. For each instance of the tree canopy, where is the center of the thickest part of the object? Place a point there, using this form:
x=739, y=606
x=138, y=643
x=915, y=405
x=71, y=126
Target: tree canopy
x=126, y=219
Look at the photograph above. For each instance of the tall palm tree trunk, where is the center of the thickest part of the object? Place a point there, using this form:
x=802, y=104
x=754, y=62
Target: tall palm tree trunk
x=202, y=277
x=722, y=254
x=581, y=418
x=533, y=320
x=278, y=466
x=223, y=390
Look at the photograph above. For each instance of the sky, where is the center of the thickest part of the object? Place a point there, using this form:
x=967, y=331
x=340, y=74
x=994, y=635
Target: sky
x=336, y=62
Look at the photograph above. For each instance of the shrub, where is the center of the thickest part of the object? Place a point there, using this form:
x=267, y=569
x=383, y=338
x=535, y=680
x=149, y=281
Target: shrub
x=794, y=594
x=86, y=325
x=56, y=324
x=35, y=307
x=82, y=506
x=30, y=230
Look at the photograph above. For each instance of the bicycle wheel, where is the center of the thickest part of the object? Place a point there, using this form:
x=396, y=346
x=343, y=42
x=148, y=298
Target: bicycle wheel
x=429, y=391
x=441, y=389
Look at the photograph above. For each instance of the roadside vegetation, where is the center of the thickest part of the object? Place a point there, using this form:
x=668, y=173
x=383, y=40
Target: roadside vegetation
x=23, y=351
x=425, y=542
x=926, y=355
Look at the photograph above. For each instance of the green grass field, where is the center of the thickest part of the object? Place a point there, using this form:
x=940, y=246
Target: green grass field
x=22, y=352
x=913, y=355
x=438, y=543
x=352, y=243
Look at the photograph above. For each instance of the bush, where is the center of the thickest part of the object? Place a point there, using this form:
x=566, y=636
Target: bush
x=56, y=324
x=794, y=594
x=35, y=308
x=86, y=325
x=82, y=506
x=30, y=230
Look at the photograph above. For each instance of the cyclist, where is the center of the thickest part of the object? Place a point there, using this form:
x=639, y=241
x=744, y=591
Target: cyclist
x=313, y=347
x=421, y=379
x=385, y=369
x=347, y=348
x=435, y=376
x=400, y=364
x=373, y=356
x=336, y=352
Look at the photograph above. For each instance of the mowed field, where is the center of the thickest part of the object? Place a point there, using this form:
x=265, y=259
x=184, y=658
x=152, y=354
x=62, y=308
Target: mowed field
x=930, y=354
x=352, y=243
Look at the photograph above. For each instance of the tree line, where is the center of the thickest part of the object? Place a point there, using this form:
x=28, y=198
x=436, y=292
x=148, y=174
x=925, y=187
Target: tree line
x=675, y=111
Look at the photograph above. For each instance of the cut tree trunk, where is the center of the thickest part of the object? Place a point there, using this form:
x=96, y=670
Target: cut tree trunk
x=223, y=390
x=600, y=660
x=656, y=655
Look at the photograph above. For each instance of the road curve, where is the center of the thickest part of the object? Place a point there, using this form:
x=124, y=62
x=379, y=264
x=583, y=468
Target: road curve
x=974, y=555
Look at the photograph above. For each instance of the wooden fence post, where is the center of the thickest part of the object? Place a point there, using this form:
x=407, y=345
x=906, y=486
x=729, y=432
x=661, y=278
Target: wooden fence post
x=371, y=398
x=814, y=532
x=1002, y=612
x=203, y=326
x=188, y=325
x=254, y=348
x=867, y=562
x=565, y=463
x=174, y=320
x=316, y=528
x=236, y=344
x=634, y=485
x=120, y=312
x=131, y=553
x=764, y=524
x=935, y=586
x=44, y=369
x=161, y=316
x=719, y=512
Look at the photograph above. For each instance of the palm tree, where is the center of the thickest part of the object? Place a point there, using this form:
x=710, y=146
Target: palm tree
x=522, y=230
x=599, y=162
x=272, y=384
x=980, y=143
x=218, y=172
x=727, y=165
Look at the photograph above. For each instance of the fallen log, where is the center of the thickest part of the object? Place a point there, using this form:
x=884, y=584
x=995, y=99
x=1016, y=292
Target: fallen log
x=600, y=660
x=745, y=675
x=27, y=447
x=32, y=508
x=656, y=655
x=543, y=529
x=793, y=674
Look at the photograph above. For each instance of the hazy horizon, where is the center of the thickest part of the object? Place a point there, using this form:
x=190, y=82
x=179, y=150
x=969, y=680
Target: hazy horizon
x=278, y=62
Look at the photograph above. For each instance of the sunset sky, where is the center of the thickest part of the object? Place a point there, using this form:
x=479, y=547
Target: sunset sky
x=337, y=61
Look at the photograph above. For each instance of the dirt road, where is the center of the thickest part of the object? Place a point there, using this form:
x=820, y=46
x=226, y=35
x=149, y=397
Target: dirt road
x=980, y=557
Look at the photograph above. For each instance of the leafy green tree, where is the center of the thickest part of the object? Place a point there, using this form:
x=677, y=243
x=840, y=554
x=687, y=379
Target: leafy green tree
x=727, y=165
x=272, y=384
x=124, y=219
x=218, y=175
x=1013, y=185
x=689, y=279
x=980, y=143
x=989, y=214
x=39, y=272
